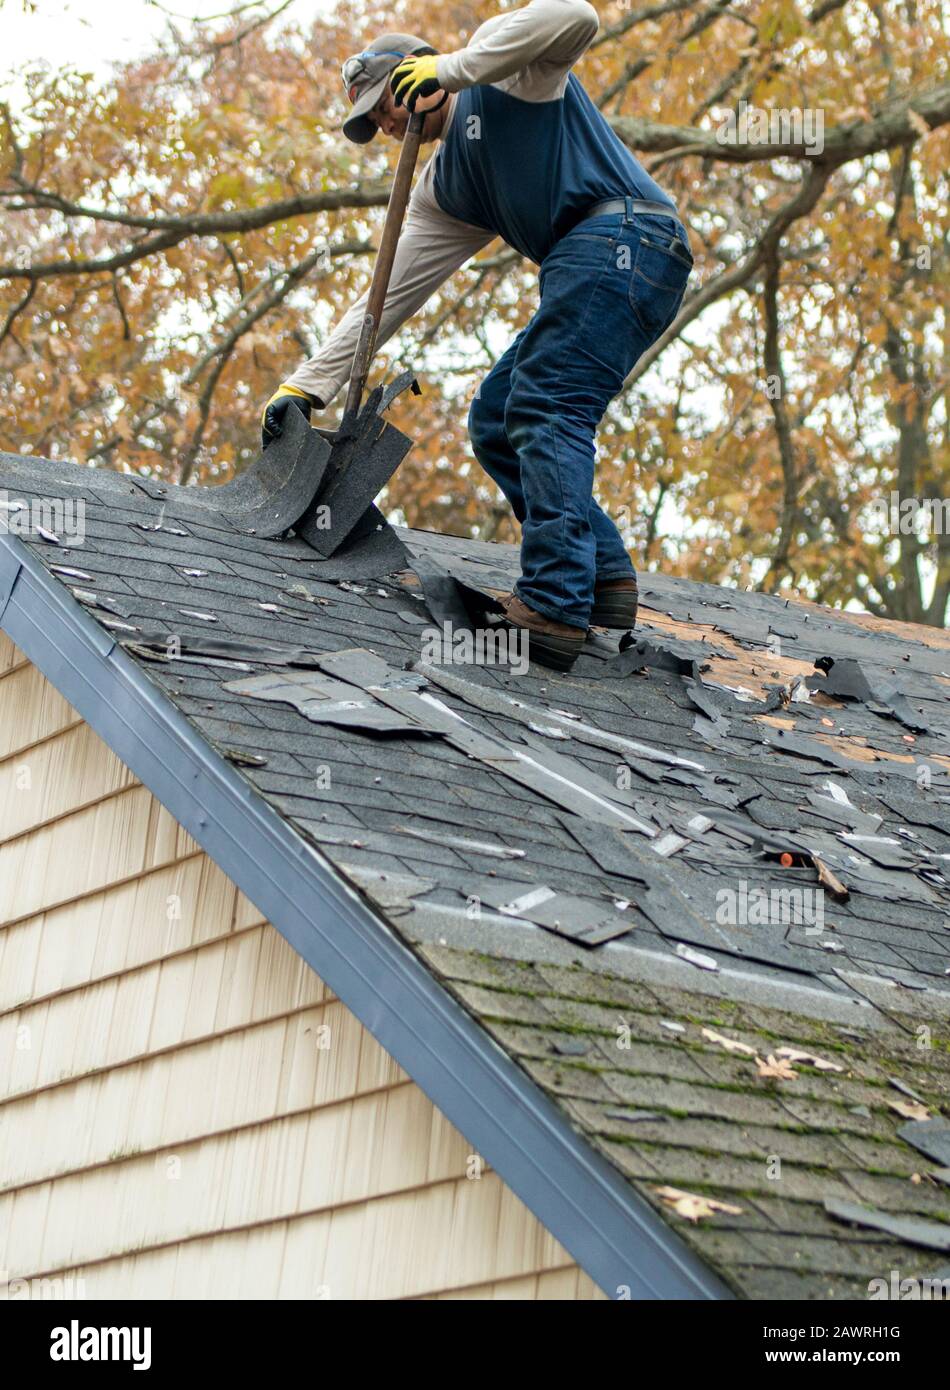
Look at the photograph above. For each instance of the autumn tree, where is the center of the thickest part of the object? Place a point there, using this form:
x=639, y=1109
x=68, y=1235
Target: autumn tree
x=175, y=239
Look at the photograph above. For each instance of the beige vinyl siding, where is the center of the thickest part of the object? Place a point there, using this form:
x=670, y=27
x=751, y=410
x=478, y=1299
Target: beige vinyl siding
x=186, y=1111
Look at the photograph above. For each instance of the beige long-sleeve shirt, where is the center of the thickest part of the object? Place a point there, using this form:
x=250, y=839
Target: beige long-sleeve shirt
x=527, y=53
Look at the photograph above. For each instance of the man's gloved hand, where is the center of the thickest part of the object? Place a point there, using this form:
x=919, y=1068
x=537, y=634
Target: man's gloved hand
x=272, y=419
x=416, y=77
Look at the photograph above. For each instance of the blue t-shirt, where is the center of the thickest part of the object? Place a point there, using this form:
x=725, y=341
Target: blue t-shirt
x=526, y=170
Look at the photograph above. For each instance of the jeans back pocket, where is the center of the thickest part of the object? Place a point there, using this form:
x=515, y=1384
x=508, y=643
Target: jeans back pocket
x=658, y=283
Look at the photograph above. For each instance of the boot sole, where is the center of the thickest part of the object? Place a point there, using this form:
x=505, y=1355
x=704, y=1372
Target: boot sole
x=617, y=609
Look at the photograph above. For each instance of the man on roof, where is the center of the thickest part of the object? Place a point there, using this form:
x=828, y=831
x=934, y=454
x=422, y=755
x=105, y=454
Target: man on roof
x=524, y=154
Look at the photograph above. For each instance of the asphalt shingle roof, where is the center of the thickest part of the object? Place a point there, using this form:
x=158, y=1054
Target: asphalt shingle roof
x=620, y=815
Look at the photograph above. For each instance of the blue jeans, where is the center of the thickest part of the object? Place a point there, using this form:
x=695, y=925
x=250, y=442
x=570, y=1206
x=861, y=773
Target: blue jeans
x=609, y=289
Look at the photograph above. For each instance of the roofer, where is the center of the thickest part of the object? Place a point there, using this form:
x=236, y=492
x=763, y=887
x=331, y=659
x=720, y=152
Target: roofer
x=524, y=154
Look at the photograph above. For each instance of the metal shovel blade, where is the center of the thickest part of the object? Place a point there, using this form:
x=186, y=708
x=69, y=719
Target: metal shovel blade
x=363, y=458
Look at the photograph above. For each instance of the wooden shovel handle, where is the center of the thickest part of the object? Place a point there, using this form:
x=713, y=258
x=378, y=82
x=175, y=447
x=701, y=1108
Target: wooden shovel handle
x=395, y=212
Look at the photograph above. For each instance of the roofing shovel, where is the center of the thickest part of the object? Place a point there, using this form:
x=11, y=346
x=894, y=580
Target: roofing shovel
x=365, y=450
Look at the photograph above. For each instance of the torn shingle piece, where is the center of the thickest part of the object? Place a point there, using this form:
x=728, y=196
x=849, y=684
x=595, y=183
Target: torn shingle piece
x=520, y=907
x=264, y=500
x=668, y=844
x=326, y=701
x=804, y=746
x=89, y=599
x=696, y=958
x=69, y=572
x=441, y=592
x=158, y=652
x=673, y=914
x=450, y=600
x=711, y=733
x=588, y=921
x=896, y=884
x=707, y=704
x=567, y=782
x=930, y=1137
x=583, y=920
x=495, y=702
x=882, y=849
x=232, y=649
x=151, y=487
x=931, y=1235
x=842, y=813
x=240, y=757
x=845, y=678
x=561, y=780
x=393, y=892
x=705, y=785
x=681, y=656
x=608, y=848
x=365, y=669
x=915, y=810
x=275, y=492
x=457, y=842
x=373, y=555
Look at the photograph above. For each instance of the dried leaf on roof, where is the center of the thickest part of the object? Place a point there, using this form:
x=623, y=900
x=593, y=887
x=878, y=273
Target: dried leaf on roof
x=692, y=1206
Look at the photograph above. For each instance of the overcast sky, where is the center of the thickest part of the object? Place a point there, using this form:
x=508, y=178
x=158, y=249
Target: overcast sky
x=93, y=34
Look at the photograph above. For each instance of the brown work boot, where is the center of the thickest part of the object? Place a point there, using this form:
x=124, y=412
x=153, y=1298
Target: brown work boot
x=615, y=603
x=552, y=644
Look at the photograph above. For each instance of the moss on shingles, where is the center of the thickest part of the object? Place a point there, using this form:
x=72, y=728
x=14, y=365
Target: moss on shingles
x=824, y=1087
x=780, y=1034
x=720, y=1154
x=604, y=990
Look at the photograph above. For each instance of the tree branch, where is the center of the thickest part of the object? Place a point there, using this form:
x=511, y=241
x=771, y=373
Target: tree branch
x=891, y=125
x=739, y=275
x=177, y=229
x=772, y=358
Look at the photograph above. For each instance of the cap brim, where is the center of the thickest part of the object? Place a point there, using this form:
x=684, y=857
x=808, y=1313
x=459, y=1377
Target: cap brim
x=358, y=127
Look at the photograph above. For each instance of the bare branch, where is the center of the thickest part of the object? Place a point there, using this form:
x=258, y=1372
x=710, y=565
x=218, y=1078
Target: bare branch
x=775, y=376
x=890, y=126
x=7, y=330
x=126, y=330
x=739, y=275
x=630, y=21
x=290, y=279
x=177, y=229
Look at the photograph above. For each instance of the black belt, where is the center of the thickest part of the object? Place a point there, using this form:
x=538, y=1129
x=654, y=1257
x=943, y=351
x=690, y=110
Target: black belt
x=636, y=205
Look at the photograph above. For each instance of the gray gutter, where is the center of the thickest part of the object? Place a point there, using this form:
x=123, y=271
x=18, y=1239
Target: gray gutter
x=612, y=1232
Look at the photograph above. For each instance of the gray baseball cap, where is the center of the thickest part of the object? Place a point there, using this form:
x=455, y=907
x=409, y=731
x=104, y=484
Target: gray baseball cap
x=366, y=74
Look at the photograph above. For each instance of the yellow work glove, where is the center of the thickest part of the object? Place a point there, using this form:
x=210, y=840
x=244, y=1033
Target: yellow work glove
x=416, y=77
x=272, y=418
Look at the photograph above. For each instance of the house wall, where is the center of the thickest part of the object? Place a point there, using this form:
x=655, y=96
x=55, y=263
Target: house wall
x=186, y=1111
